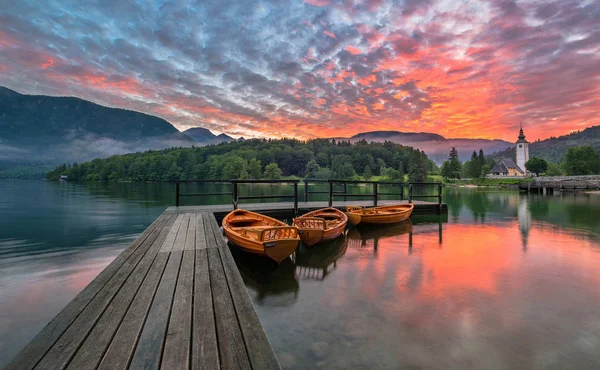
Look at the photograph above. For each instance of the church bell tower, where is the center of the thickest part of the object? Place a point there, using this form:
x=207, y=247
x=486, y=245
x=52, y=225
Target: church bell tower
x=522, y=150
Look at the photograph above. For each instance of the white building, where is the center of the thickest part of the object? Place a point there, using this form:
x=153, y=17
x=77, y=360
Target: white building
x=522, y=151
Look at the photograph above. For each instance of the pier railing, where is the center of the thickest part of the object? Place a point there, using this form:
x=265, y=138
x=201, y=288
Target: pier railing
x=331, y=192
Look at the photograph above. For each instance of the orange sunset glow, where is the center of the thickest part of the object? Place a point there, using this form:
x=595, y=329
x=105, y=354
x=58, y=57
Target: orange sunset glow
x=320, y=68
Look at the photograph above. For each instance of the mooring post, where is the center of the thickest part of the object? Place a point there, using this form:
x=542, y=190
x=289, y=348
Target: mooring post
x=402, y=191
x=177, y=194
x=410, y=193
x=330, y=193
x=345, y=192
x=375, y=194
x=235, y=194
x=295, y=199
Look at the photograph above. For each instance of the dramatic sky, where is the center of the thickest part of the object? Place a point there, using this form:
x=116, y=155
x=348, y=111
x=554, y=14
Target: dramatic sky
x=318, y=67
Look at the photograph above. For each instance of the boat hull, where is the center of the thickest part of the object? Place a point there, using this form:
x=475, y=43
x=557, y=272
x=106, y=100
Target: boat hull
x=274, y=239
x=321, y=225
x=379, y=215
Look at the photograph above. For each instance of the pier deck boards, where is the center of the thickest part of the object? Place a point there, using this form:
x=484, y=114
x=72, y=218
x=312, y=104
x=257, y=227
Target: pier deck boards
x=173, y=299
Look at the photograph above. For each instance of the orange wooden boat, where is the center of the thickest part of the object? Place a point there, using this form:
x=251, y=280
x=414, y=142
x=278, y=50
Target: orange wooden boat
x=379, y=215
x=321, y=225
x=260, y=234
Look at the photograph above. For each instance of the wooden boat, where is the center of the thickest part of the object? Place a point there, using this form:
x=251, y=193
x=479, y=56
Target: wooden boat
x=379, y=215
x=321, y=225
x=260, y=234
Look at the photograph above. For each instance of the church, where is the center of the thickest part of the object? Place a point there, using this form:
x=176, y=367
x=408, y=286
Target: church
x=506, y=167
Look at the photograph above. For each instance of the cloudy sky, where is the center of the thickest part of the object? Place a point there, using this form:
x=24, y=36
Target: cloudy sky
x=319, y=67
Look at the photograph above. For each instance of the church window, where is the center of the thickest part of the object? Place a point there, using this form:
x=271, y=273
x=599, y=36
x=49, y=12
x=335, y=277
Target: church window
x=520, y=145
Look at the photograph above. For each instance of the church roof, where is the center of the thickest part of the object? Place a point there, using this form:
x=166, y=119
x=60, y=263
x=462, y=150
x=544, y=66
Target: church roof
x=521, y=136
x=503, y=165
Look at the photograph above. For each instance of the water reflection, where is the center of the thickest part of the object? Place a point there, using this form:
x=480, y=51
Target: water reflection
x=273, y=284
x=319, y=261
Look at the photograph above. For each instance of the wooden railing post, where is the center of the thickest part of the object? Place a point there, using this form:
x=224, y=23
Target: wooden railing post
x=402, y=191
x=330, y=193
x=410, y=186
x=177, y=194
x=235, y=194
x=375, y=194
x=439, y=198
x=345, y=192
x=295, y=199
x=306, y=190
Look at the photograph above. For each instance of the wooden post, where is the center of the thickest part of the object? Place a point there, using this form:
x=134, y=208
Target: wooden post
x=295, y=199
x=345, y=192
x=235, y=195
x=177, y=194
x=306, y=190
x=330, y=193
x=402, y=191
x=439, y=198
x=375, y=194
x=409, y=193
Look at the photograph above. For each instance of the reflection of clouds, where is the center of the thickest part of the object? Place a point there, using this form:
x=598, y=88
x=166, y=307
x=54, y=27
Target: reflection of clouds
x=473, y=302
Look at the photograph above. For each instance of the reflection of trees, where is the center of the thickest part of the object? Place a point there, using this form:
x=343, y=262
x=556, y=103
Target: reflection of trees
x=272, y=282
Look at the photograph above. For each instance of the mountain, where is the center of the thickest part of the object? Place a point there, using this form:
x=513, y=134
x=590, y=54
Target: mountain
x=554, y=149
x=205, y=137
x=44, y=130
x=436, y=146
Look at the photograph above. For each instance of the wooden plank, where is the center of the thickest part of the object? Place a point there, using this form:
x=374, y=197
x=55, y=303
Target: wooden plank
x=176, y=354
x=147, y=354
x=231, y=344
x=170, y=240
x=123, y=344
x=257, y=343
x=182, y=233
x=200, y=237
x=93, y=348
x=35, y=350
x=63, y=350
x=205, y=353
x=190, y=239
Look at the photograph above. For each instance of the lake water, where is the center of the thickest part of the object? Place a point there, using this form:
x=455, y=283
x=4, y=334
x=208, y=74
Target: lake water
x=508, y=281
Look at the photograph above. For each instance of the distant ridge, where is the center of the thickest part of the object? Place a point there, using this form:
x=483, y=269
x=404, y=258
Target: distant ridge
x=435, y=146
x=40, y=130
x=205, y=137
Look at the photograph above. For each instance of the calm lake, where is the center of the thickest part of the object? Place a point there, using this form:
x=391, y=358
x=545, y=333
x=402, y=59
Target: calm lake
x=506, y=281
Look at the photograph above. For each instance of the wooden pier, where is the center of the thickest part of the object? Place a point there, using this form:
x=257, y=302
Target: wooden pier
x=173, y=299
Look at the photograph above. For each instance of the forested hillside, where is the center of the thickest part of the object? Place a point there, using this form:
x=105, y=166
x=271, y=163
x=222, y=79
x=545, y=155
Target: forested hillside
x=254, y=159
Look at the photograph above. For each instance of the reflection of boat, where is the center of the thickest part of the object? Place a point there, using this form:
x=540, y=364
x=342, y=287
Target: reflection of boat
x=260, y=234
x=364, y=232
x=277, y=283
x=379, y=215
x=359, y=236
x=315, y=263
x=321, y=225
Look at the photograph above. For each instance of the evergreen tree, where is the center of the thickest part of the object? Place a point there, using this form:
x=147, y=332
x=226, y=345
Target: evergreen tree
x=452, y=167
x=418, y=168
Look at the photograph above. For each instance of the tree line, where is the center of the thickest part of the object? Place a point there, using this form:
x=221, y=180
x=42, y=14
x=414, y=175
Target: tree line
x=582, y=160
x=259, y=159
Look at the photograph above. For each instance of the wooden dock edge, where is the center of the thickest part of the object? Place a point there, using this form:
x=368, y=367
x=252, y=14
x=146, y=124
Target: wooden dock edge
x=223, y=323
